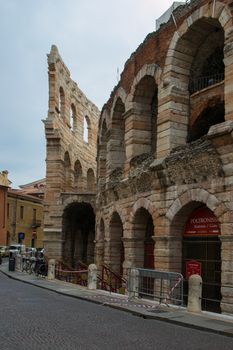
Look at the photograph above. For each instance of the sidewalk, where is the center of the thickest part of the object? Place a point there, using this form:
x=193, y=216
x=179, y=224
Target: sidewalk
x=216, y=323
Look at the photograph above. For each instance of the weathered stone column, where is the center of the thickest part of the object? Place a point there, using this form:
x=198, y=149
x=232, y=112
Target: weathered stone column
x=137, y=133
x=227, y=274
x=228, y=82
x=168, y=253
x=53, y=242
x=134, y=252
x=107, y=257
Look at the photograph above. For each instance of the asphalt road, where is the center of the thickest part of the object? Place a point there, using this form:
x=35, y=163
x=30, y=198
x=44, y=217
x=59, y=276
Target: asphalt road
x=34, y=318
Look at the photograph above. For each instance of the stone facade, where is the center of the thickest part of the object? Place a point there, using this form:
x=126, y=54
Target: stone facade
x=165, y=144
x=25, y=216
x=71, y=136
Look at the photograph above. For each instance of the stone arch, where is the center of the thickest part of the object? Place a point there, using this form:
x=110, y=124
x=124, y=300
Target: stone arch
x=87, y=129
x=78, y=233
x=190, y=243
x=116, y=137
x=61, y=102
x=142, y=233
x=73, y=117
x=78, y=175
x=187, y=48
x=141, y=114
x=90, y=180
x=146, y=204
x=152, y=70
x=115, y=252
x=119, y=211
x=120, y=93
x=68, y=174
x=196, y=196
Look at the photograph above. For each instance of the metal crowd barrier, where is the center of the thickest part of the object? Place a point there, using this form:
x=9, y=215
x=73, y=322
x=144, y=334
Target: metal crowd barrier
x=164, y=287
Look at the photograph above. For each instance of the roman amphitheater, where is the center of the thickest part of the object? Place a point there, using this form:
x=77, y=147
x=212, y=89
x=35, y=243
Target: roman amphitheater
x=161, y=194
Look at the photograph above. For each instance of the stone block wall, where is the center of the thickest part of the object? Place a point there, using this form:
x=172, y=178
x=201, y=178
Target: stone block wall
x=175, y=177
x=71, y=136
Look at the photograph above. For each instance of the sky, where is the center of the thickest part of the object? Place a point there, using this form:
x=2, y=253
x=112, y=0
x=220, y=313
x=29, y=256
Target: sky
x=94, y=38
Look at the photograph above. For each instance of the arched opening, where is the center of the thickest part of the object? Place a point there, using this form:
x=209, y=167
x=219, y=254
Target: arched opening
x=202, y=255
x=146, y=109
x=199, y=251
x=68, y=175
x=116, y=244
x=207, y=65
x=210, y=116
x=86, y=130
x=62, y=102
x=90, y=180
x=78, y=234
x=78, y=176
x=197, y=70
x=73, y=117
x=116, y=143
x=143, y=231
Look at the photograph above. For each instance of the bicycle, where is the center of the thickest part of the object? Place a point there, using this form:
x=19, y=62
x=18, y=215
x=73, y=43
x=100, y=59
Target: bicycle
x=27, y=265
x=41, y=267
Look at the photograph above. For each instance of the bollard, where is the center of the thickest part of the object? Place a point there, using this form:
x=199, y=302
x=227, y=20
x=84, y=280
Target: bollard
x=133, y=283
x=194, y=293
x=51, y=269
x=18, y=262
x=92, y=277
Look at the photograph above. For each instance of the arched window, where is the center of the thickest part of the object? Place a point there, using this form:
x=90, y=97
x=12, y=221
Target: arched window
x=78, y=176
x=145, y=110
x=62, y=102
x=73, y=117
x=116, y=143
x=90, y=180
x=86, y=129
x=68, y=176
x=116, y=244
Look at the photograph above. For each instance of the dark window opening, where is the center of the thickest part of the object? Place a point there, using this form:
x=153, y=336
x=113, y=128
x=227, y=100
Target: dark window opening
x=210, y=116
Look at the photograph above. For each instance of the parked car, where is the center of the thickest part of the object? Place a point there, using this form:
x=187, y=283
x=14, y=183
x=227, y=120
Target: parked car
x=16, y=249
x=4, y=251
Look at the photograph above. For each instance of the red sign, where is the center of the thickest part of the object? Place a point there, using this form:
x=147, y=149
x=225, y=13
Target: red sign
x=202, y=222
x=34, y=234
x=193, y=267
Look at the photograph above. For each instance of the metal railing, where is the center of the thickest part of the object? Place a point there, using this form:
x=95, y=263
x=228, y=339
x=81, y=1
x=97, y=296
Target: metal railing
x=164, y=287
x=66, y=273
x=111, y=281
x=204, y=82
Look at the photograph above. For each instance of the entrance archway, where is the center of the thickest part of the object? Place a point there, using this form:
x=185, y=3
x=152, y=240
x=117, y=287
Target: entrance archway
x=78, y=234
x=116, y=245
x=143, y=230
x=201, y=253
